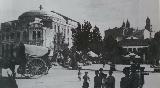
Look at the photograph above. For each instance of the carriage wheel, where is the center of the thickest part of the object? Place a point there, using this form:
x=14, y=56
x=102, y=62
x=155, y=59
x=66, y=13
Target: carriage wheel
x=35, y=68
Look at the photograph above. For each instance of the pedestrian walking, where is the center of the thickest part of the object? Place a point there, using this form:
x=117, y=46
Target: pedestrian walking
x=86, y=79
x=141, y=77
x=125, y=81
x=110, y=80
x=103, y=64
x=97, y=80
x=12, y=65
x=79, y=74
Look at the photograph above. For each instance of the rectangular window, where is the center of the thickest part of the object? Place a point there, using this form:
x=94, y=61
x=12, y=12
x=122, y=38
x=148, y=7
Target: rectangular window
x=25, y=35
x=38, y=34
x=64, y=32
x=7, y=36
x=0, y=37
x=11, y=49
x=134, y=50
x=68, y=31
x=58, y=29
x=130, y=49
x=6, y=50
x=34, y=35
x=2, y=50
x=12, y=36
x=18, y=35
x=55, y=27
x=125, y=49
x=3, y=36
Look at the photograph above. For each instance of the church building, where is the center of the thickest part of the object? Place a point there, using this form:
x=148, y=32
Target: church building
x=130, y=39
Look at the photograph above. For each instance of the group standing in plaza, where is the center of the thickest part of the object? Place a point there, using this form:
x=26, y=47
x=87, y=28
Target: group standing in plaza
x=100, y=80
x=131, y=79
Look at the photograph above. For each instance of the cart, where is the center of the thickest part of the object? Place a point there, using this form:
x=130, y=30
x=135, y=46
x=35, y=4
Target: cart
x=33, y=60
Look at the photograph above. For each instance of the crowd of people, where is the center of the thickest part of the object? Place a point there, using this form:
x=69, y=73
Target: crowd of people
x=132, y=79
x=100, y=80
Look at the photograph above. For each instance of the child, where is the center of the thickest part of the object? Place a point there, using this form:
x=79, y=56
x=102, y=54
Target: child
x=79, y=74
x=86, y=79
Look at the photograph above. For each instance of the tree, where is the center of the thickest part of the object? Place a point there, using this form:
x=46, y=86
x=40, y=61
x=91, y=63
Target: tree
x=82, y=36
x=112, y=50
x=154, y=49
x=96, y=40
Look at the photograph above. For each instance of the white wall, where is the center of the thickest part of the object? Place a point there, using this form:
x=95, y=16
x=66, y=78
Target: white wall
x=146, y=34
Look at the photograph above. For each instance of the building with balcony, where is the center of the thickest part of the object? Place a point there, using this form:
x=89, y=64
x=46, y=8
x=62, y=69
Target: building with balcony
x=36, y=27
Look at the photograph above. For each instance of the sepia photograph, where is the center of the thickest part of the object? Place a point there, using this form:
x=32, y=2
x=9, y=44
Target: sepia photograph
x=79, y=43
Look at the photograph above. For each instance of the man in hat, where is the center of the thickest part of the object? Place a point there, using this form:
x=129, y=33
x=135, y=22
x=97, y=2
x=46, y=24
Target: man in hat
x=105, y=81
x=97, y=80
x=134, y=78
x=110, y=80
x=125, y=81
x=86, y=79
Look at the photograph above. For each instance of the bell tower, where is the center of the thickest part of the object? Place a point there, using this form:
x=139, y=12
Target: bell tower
x=127, y=24
x=148, y=25
x=40, y=7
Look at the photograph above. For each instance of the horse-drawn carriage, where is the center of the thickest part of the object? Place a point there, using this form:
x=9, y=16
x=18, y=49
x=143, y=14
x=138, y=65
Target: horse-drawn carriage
x=37, y=61
x=33, y=60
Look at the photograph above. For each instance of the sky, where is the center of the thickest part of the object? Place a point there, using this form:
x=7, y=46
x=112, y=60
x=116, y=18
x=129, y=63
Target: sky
x=102, y=13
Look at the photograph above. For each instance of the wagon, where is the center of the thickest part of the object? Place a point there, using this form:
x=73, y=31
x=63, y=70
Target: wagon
x=33, y=60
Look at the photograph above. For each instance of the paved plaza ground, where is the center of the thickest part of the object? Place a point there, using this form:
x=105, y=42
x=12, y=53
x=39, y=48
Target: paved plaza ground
x=59, y=77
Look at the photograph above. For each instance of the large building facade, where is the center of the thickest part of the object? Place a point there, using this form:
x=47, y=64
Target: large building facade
x=36, y=27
